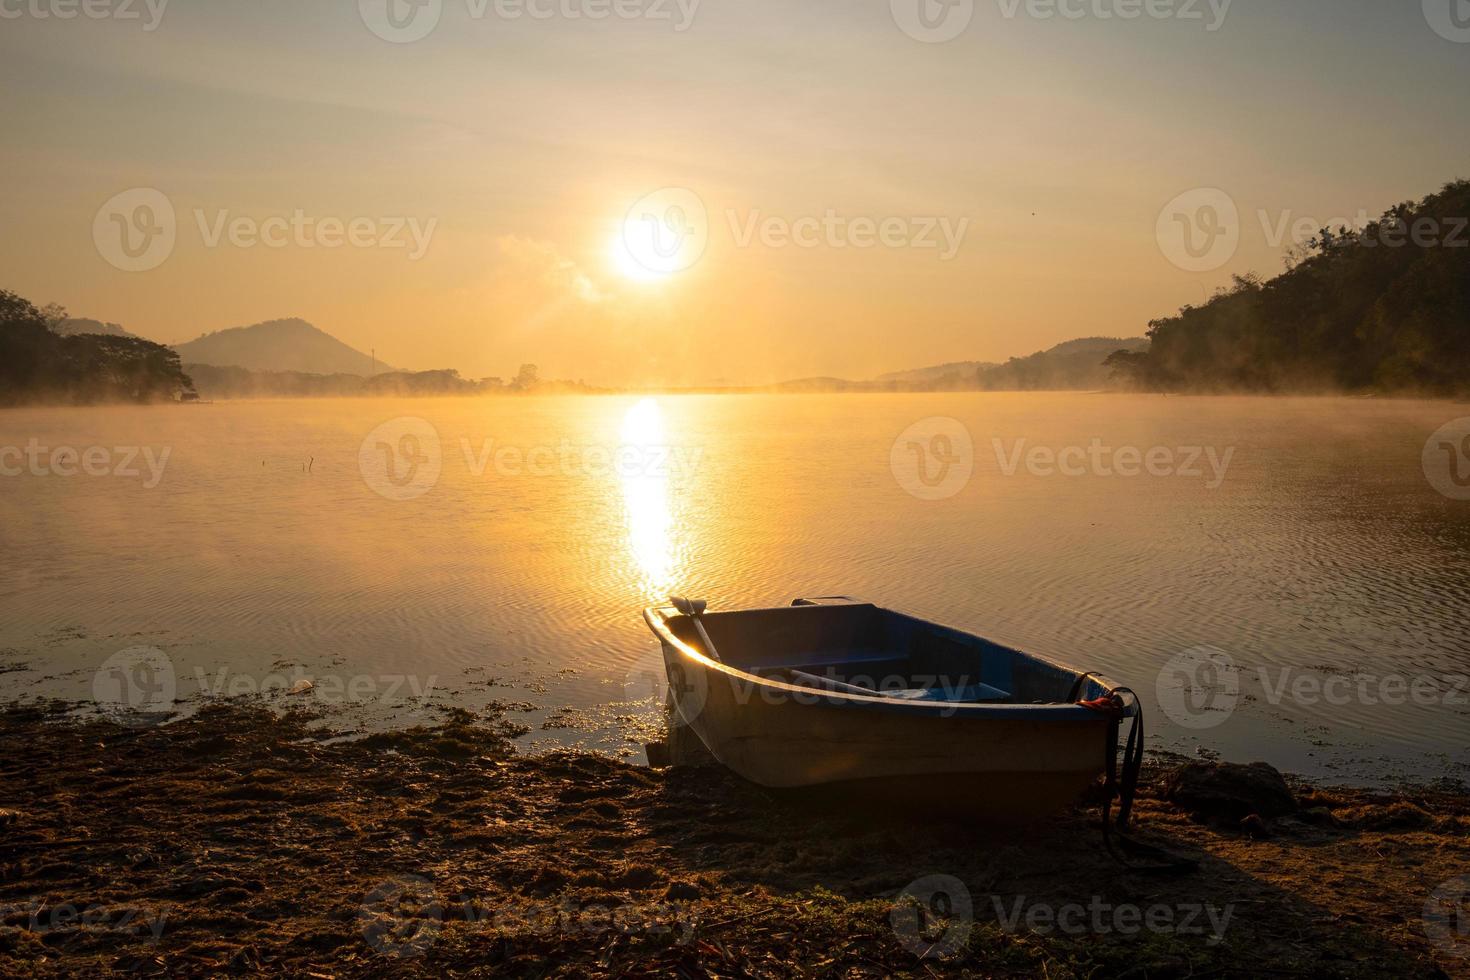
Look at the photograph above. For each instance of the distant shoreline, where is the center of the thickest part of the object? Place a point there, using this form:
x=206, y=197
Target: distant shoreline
x=749, y=391
x=704, y=393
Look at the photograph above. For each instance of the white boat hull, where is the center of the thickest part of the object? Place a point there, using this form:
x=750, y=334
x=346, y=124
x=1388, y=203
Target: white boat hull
x=1019, y=759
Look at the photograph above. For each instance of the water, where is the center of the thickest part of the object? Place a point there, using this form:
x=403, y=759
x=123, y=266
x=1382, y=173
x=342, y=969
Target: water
x=517, y=573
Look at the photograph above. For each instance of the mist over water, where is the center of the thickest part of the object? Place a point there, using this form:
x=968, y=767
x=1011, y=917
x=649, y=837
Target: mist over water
x=501, y=549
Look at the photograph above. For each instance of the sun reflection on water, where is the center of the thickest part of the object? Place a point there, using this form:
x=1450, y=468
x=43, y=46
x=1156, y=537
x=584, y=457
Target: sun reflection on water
x=652, y=541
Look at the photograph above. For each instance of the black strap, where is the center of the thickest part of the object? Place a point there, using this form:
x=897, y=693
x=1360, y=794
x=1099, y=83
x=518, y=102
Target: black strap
x=1125, y=787
x=1132, y=760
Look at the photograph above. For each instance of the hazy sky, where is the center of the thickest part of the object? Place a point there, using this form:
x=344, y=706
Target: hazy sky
x=1052, y=136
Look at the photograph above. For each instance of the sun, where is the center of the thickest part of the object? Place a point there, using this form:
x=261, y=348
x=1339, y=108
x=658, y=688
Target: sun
x=627, y=264
x=661, y=235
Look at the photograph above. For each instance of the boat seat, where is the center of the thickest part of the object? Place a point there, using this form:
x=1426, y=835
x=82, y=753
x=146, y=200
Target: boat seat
x=841, y=658
x=968, y=694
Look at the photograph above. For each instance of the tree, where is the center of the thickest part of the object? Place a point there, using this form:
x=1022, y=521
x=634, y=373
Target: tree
x=1128, y=369
x=26, y=347
x=1380, y=308
x=526, y=377
x=36, y=364
x=54, y=314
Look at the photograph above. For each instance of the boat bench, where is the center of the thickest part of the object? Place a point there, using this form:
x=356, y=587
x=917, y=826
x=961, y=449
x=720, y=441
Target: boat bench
x=967, y=694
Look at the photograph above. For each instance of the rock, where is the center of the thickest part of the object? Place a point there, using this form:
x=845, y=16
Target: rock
x=1229, y=791
x=1253, y=826
x=682, y=891
x=1319, y=815
x=639, y=876
x=301, y=686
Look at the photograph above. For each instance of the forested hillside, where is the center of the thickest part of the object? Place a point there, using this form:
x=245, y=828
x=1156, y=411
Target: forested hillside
x=1383, y=308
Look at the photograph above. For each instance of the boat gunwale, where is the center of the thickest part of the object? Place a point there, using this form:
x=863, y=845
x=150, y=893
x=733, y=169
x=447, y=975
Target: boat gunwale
x=658, y=618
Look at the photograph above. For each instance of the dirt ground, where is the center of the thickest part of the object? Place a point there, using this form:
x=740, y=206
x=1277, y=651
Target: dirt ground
x=238, y=841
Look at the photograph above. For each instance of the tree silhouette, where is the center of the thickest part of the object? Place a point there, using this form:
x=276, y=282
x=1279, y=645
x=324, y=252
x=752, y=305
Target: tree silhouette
x=38, y=365
x=1383, y=308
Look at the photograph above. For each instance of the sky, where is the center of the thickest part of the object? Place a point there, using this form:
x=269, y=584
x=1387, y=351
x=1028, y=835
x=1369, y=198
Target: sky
x=696, y=191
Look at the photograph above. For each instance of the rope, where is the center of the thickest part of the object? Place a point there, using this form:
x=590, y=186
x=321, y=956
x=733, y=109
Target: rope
x=1072, y=698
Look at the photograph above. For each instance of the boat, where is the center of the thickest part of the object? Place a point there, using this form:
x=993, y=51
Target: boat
x=836, y=692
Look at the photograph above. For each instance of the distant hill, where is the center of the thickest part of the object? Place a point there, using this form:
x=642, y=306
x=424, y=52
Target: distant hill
x=805, y=385
x=1074, y=365
x=72, y=326
x=929, y=375
x=279, y=346
x=234, y=382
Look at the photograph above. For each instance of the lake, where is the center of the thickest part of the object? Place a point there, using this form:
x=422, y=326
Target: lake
x=1279, y=579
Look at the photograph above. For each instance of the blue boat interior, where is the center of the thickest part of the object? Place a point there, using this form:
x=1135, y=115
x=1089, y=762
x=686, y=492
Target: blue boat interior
x=858, y=648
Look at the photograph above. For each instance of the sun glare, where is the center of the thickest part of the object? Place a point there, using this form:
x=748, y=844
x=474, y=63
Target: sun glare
x=627, y=265
x=646, y=497
x=643, y=426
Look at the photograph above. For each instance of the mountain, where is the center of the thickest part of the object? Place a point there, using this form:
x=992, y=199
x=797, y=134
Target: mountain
x=72, y=326
x=278, y=345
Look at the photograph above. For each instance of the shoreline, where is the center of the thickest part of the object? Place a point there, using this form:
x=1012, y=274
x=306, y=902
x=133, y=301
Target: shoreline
x=535, y=730
x=1462, y=398
x=238, y=840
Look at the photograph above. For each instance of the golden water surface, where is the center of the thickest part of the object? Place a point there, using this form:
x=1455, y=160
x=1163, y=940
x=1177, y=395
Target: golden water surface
x=468, y=551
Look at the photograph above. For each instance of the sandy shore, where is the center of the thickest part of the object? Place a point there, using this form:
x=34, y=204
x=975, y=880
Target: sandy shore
x=236, y=841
